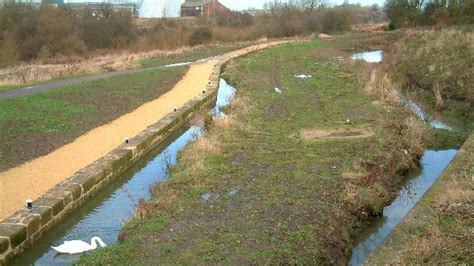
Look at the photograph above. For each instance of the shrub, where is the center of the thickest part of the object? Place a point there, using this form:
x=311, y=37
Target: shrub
x=106, y=28
x=200, y=36
x=336, y=20
x=8, y=51
x=234, y=19
x=11, y=14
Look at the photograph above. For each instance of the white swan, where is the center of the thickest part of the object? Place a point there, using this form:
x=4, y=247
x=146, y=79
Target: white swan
x=79, y=246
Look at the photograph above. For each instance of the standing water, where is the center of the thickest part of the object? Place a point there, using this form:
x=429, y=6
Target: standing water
x=370, y=57
x=433, y=163
x=105, y=214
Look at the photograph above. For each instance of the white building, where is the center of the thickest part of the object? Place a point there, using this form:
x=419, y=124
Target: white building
x=159, y=8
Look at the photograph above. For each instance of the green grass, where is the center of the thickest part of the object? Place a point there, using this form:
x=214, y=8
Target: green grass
x=293, y=205
x=34, y=125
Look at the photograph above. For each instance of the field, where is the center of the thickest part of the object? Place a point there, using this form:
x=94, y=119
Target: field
x=284, y=178
x=35, y=125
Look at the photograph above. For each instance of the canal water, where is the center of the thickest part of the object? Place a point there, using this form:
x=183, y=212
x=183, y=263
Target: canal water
x=105, y=214
x=432, y=165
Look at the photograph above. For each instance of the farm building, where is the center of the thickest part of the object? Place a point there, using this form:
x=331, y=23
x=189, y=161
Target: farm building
x=194, y=8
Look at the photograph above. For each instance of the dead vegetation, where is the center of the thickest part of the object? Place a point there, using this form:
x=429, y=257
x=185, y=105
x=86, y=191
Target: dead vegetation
x=52, y=69
x=310, y=134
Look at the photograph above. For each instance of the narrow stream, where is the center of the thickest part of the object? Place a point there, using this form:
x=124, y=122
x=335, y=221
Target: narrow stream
x=105, y=214
x=432, y=165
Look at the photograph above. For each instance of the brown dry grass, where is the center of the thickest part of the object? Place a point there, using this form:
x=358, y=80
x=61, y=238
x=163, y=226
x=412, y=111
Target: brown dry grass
x=374, y=79
x=310, y=134
x=37, y=72
x=168, y=193
x=422, y=250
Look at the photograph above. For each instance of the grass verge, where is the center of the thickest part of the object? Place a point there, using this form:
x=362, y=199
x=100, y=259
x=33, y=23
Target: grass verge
x=35, y=125
x=253, y=191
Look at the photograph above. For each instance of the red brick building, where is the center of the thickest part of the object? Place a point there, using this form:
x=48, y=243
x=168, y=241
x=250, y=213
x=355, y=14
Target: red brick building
x=195, y=8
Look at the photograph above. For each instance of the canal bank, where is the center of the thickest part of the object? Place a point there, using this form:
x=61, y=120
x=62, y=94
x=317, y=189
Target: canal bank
x=436, y=230
x=25, y=227
x=105, y=214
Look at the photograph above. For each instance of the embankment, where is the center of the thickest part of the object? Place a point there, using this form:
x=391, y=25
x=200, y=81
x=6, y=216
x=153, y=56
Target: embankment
x=438, y=229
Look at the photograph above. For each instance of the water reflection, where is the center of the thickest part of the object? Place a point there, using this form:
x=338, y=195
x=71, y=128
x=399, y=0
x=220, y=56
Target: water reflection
x=370, y=57
x=433, y=163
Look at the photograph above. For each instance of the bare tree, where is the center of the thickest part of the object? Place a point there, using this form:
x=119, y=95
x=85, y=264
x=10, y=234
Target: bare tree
x=310, y=5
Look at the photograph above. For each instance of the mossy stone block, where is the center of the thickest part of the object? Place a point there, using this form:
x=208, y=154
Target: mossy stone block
x=56, y=204
x=4, y=244
x=15, y=232
x=32, y=223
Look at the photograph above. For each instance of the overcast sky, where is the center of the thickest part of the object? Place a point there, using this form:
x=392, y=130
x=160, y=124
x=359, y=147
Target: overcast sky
x=246, y=4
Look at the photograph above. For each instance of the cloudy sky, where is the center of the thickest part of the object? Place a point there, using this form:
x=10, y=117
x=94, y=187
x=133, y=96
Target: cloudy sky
x=245, y=4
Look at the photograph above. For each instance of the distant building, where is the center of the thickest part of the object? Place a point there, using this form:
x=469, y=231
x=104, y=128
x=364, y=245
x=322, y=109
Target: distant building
x=194, y=8
x=159, y=8
x=140, y=8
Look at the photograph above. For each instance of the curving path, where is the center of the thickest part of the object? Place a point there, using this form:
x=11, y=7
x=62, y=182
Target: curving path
x=34, y=178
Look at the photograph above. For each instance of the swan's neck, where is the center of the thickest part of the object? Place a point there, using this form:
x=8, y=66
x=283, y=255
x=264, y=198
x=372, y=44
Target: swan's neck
x=94, y=244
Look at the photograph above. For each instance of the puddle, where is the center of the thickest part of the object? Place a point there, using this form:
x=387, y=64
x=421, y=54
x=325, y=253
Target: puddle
x=233, y=192
x=206, y=197
x=433, y=163
x=105, y=214
x=369, y=57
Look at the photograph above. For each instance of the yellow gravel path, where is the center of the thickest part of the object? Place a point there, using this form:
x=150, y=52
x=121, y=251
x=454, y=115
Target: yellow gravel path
x=34, y=178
